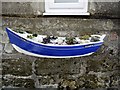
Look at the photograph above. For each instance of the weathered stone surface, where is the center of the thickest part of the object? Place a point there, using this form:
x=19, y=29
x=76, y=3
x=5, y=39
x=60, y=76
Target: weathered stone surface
x=99, y=8
x=0, y=38
x=21, y=67
x=0, y=21
x=104, y=65
x=1, y=34
x=15, y=55
x=57, y=66
x=93, y=79
x=8, y=48
x=5, y=38
x=55, y=26
x=1, y=51
x=104, y=8
x=1, y=30
x=1, y=61
x=0, y=73
x=22, y=8
x=49, y=87
x=90, y=81
x=17, y=82
x=1, y=47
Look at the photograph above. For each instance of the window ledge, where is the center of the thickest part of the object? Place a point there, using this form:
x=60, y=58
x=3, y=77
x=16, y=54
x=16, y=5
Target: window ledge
x=64, y=13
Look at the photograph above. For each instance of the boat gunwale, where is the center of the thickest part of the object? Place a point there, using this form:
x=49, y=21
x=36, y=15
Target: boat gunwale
x=53, y=45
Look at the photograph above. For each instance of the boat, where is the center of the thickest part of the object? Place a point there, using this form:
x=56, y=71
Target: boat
x=30, y=47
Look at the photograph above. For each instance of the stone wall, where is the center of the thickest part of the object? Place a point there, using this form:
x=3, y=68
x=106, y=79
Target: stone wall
x=106, y=8
x=23, y=8
x=98, y=71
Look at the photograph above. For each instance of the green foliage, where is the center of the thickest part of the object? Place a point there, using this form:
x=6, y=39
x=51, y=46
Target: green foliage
x=70, y=40
x=31, y=36
x=85, y=37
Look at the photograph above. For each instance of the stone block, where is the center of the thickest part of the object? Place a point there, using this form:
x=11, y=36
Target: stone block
x=0, y=38
x=60, y=26
x=57, y=66
x=17, y=82
x=1, y=47
x=21, y=67
x=22, y=8
x=104, y=8
x=2, y=31
x=5, y=38
x=1, y=51
x=15, y=55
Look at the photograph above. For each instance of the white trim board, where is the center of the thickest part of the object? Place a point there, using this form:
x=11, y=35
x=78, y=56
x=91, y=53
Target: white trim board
x=64, y=13
x=79, y=8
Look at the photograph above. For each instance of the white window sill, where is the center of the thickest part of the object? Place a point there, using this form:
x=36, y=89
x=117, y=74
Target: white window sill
x=59, y=13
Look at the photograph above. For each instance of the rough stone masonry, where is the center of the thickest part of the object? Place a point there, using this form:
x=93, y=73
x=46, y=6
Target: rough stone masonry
x=98, y=71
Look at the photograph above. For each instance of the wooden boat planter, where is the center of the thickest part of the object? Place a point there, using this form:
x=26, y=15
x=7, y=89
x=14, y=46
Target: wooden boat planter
x=30, y=47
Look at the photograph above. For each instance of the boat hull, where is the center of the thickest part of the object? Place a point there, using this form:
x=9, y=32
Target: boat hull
x=45, y=56
x=31, y=48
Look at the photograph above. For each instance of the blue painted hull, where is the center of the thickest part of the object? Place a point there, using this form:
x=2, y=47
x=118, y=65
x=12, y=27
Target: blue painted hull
x=53, y=51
